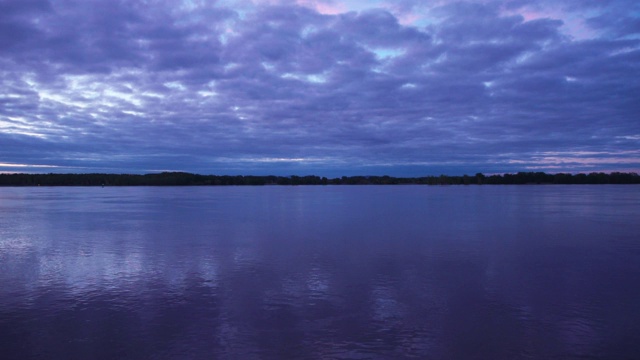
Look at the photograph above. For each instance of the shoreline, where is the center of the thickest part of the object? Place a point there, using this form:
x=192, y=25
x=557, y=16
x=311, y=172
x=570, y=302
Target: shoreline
x=189, y=179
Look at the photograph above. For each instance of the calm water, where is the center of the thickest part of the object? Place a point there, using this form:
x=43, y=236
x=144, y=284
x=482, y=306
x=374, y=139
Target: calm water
x=336, y=272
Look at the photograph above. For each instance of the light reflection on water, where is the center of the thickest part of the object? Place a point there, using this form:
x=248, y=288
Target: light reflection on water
x=485, y=272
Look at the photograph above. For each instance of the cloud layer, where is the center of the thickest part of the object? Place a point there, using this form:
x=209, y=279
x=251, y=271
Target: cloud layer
x=323, y=87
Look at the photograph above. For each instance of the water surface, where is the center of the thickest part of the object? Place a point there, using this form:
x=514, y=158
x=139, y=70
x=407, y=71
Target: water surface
x=334, y=272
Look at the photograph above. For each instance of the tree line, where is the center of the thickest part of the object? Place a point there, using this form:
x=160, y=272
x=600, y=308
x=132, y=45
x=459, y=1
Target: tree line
x=189, y=179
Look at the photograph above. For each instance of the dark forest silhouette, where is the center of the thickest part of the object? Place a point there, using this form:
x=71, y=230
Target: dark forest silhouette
x=188, y=179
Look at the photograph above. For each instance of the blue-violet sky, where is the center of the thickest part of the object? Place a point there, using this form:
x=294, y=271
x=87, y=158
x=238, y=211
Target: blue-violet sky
x=325, y=87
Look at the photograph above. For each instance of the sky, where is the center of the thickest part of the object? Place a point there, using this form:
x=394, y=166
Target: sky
x=323, y=87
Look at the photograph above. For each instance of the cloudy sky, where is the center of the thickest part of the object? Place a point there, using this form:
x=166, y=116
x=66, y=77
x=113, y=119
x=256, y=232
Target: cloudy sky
x=325, y=87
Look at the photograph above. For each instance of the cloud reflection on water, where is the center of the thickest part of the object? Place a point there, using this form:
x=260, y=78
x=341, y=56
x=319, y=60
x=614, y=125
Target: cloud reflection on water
x=314, y=272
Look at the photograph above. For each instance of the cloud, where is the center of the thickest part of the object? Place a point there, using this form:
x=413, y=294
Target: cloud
x=286, y=87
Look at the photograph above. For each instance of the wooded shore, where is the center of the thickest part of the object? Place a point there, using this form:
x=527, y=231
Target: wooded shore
x=189, y=179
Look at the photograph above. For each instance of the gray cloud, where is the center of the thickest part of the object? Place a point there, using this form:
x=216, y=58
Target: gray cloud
x=135, y=86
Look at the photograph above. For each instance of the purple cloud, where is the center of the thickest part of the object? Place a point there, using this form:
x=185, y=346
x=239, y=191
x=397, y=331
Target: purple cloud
x=296, y=87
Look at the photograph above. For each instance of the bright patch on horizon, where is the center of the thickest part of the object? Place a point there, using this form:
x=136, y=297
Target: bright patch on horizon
x=630, y=137
x=10, y=165
x=582, y=158
x=276, y=160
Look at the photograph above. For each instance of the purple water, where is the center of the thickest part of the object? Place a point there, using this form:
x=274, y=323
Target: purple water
x=334, y=272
